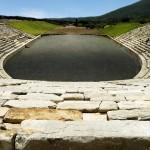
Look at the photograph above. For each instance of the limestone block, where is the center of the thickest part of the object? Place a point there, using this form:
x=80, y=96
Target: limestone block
x=15, y=115
x=41, y=97
x=115, y=98
x=122, y=135
x=142, y=114
x=138, y=97
x=73, y=96
x=134, y=105
x=29, y=104
x=94, y=95
x=3, y=111
x=47, y=90
x=84, y=106
x=108, y=106
x=94, y=117
x=7, y=140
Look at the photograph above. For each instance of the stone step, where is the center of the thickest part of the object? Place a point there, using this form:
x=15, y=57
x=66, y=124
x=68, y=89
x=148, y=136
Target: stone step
x=84, y=135
x=8, y=47
x=5, y=43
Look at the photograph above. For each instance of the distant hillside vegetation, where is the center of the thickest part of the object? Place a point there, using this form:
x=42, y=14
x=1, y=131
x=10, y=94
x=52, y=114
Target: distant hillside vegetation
x=33, y=27
x=139, y=11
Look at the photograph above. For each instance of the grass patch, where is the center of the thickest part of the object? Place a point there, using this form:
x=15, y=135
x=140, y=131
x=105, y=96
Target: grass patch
x=120, y=28
x=33, y=27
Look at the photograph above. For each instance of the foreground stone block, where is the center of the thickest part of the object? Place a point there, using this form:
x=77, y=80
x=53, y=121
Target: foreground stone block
x=41, y=97
x=7, y=140
x=3, y=111
x=73, y=96
x=16, y=115
x=142, y=114
x=29, y=104
x=134, y=105
x=84, y=106
x=85, y=135
x=108, y=106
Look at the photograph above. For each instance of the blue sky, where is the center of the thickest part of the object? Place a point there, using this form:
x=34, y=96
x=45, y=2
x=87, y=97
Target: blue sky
x=60, y=8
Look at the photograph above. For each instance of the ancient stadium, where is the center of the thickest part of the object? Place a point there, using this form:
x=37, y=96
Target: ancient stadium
x=67, y=114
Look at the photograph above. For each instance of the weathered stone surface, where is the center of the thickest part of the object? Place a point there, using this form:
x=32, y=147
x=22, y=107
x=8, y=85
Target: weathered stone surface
x=29, y=104
x=8, y=95
x=138, y=97
x=117, y=135
x=3, y=111
x=13, y=127
x=94, y=117
x=7, y=140
x=84, y=106
x=108, y=106
x=73, y=96
x=141, y=114
x=16, y=115
x=134, y=105
x=41, y=97
x=47, y=90
x=95, y=95
x=115, y=98
x=2, y=102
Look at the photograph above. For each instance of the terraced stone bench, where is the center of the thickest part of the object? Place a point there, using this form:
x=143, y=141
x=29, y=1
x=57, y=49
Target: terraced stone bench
x=50, y=115
x=137, y=40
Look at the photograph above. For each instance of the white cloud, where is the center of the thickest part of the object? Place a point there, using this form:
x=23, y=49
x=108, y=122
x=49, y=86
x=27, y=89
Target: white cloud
x=33, y=13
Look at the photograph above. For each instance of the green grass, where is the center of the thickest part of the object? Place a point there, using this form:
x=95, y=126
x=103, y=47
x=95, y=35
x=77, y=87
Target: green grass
x=120, y=28
x=33, y=27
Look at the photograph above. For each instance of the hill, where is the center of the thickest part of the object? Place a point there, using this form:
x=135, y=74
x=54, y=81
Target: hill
x=139, y=12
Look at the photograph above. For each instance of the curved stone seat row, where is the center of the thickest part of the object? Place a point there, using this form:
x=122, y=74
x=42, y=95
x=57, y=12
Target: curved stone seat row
x=138, y=41
x=10, y=41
